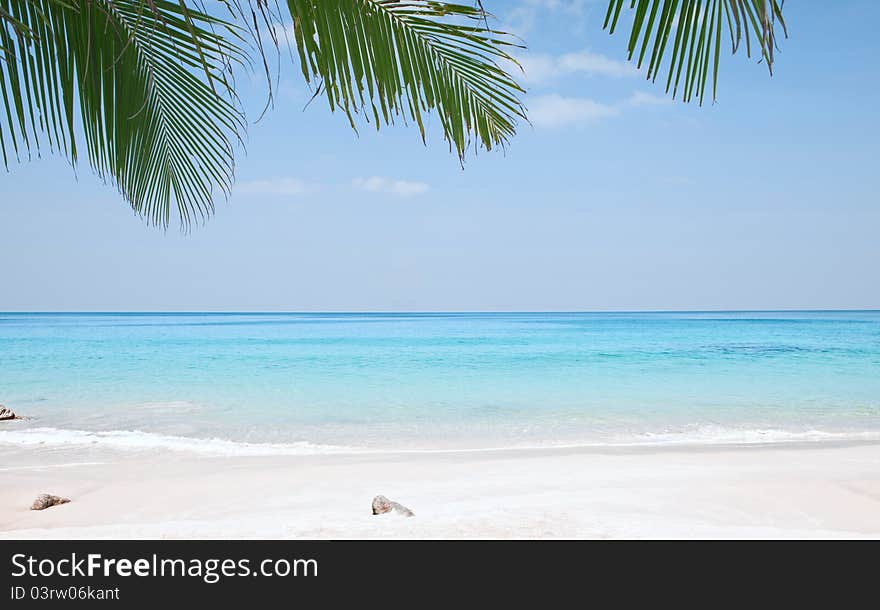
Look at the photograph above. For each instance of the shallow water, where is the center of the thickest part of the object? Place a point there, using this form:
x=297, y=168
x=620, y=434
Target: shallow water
x=305, y=383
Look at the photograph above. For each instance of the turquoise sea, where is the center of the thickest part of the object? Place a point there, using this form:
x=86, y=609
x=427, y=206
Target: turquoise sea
x=300, y=383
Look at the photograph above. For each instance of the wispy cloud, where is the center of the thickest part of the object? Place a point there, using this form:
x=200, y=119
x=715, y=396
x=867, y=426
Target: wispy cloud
x=640, y=98
x=282, y=33
x=555, y=110
x=541, y=67
x=276, y=187
x=399, y=188
x=524, y=16
x=294, y=187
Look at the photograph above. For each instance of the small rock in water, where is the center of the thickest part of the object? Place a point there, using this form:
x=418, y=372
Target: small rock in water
x=44, y=501
x=382, y=505
x=7, y=413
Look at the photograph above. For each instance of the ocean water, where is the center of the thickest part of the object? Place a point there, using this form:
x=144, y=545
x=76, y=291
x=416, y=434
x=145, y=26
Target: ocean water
x=255, y=384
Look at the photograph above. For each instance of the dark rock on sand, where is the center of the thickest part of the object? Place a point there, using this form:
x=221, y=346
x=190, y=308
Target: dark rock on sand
x=7, y=414
x=382, y=505
x=45, y=501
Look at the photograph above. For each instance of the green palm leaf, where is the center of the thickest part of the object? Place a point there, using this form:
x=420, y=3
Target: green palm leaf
x=139, y=82
x=692, y=31
x=405, y=59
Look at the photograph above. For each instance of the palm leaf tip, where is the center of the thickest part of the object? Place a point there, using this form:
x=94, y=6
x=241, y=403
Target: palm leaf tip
x=142, y=83
x=692, y=31
x=387, y=59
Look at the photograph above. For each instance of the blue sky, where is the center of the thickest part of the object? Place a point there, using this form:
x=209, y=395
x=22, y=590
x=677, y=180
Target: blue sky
x=616, y=198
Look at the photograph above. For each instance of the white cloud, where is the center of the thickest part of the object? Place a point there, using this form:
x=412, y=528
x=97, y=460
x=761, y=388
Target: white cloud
x=522, y=19
x=567, y=5
x=554, y=110
x=540, y=67
x=594, y=63
x=283, y=33
x=400, y=188
x=294, y=187
x=275, y=187
x=640, y=98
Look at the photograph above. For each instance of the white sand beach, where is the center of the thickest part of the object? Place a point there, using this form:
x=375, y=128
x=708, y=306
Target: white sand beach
x=809, y=490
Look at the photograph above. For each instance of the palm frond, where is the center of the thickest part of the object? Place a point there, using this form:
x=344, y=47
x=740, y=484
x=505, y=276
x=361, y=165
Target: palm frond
x=141, y=82
x=692, y=31
x=391, y=59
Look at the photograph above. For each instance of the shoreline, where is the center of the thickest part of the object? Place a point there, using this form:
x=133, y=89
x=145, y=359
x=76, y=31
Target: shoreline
x=41, y=438
x=778, y=490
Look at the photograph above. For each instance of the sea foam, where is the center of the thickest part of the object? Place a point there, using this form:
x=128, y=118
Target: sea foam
x=136, y=440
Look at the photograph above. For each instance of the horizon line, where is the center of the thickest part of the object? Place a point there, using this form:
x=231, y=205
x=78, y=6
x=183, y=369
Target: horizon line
x=435, y=312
